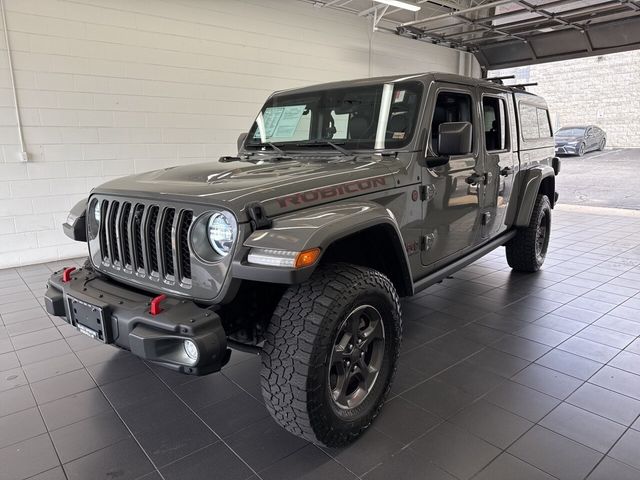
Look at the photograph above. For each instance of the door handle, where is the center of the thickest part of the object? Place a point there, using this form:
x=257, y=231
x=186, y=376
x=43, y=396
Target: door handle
x=475, y=178
x=506, y=171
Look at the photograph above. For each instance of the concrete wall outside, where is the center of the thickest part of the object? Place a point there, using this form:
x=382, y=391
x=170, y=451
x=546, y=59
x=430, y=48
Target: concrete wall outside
x=110, y=88
x=603, y=91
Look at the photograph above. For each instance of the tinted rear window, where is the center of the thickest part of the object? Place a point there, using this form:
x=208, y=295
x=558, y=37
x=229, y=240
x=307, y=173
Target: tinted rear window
x=534, y=122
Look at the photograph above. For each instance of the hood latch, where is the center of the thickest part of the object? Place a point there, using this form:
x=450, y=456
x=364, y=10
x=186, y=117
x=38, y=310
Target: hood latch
x=258, y=216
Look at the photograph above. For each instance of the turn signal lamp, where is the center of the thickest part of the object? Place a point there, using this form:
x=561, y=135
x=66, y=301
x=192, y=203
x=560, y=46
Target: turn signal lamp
x=307, y=258
x=283, y=258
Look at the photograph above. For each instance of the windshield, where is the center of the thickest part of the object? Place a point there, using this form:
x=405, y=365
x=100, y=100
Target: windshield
x=570, y=132
x=368, y=117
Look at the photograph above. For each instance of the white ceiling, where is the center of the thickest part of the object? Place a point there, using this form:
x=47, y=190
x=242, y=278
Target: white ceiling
x=505, y=33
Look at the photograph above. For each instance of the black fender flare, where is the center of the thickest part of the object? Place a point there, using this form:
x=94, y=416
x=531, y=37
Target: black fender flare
x=525, y=191
x=320, y=227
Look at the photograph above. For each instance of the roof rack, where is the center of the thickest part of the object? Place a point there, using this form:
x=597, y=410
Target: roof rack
x=520, y=86
x=499, y=80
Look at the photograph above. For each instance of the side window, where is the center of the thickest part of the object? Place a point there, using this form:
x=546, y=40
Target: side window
x=543, y=123
x=341, y=124
x=529, y=122
x=495, y=123
x=534, y=122
x=450, y=107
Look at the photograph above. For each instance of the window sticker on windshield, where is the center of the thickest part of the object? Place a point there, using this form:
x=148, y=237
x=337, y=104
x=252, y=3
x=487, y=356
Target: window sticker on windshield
x=271, y=118
x=399, y=96
x=289, y=120
x=398, y=135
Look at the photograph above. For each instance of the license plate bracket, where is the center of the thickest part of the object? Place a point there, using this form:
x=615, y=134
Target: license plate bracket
x=89, y=319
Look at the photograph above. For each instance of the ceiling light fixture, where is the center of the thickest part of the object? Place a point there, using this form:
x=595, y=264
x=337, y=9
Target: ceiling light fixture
x=399, y=4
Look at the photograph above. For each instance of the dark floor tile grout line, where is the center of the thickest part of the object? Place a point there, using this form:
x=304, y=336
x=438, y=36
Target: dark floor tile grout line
x=205, y=423
x=561, y=401
x=612, y=447
x=115, y=411
x=55, y=450
x=506, y=452
x=128, y=429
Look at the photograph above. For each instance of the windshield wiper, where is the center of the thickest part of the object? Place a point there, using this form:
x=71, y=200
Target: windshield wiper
x=280, y=154
x=313, y=143
x=274, y=147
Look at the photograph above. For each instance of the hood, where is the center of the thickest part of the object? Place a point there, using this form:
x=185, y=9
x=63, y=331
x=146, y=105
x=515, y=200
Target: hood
x=281, y=186
x=568, y=139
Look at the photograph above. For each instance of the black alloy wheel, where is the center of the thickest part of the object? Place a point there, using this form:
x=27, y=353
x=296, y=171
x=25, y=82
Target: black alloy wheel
x=357, y=356
x=542, y=237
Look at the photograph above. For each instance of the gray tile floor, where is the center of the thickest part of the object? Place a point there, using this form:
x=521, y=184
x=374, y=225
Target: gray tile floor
x=502, y=376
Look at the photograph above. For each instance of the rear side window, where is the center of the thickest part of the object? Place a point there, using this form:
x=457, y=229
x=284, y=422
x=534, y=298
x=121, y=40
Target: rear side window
x=495, y=123
x=534, y=122
x=544, y=126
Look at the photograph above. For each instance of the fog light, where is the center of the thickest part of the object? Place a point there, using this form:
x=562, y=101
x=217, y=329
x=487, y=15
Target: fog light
x=191, y=350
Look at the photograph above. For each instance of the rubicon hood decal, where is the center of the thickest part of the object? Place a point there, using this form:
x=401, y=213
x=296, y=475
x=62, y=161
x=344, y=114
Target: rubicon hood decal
x=332, y=192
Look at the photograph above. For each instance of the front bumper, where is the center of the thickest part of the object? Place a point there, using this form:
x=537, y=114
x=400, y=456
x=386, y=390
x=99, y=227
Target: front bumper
x=111, y=313
x=567, y=150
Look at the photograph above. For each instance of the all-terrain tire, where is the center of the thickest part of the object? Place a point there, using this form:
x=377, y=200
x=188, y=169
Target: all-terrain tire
x=298, y=349
x=527, y=250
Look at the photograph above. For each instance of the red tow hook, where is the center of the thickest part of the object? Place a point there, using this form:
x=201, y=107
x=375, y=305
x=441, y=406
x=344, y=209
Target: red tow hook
x=66, y=274
x=155, y=304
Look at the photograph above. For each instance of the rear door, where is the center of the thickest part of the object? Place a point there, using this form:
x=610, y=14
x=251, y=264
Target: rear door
x=498, y=122
x=452, y=209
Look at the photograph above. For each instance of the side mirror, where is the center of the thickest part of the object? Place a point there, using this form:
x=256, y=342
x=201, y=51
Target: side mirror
x=455, y=138
x=241, y=138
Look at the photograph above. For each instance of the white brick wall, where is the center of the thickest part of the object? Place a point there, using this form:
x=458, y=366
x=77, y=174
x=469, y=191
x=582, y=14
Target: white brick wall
x=112, y=87
x=603, y=91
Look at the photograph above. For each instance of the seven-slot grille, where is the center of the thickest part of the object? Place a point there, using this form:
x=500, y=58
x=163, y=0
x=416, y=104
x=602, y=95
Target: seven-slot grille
x=146, y=240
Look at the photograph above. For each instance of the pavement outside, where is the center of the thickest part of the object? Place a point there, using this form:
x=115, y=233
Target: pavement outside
x=502, y=376
x=601, y=179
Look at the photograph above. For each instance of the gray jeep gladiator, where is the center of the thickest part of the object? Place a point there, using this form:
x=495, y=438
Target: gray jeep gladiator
x=342, y=198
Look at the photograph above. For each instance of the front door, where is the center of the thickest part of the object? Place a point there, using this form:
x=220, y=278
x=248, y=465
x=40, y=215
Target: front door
x=498, y=121
x=591, y=140
x=452, y=191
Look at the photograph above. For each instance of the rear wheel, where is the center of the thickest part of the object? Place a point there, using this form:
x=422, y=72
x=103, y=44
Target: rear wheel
x=603, y=142
x=528, y=249
x=330, y=353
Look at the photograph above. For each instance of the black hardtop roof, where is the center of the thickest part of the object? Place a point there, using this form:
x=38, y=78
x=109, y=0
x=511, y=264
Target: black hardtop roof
x=425, y=77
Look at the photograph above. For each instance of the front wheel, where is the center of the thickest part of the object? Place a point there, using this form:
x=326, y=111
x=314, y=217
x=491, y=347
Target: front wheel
x=581, y=150
x=330, y=353
x=528, y=249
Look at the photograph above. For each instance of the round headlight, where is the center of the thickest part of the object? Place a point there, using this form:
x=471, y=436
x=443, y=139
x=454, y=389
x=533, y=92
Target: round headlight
x=96, y=212
x=222, y=232
x=93, y=219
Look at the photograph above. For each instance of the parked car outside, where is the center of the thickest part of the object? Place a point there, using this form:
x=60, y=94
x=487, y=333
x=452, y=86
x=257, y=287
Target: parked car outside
x=580, y=140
